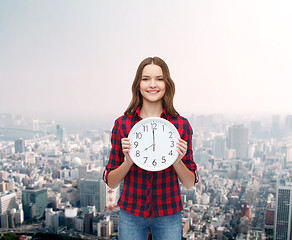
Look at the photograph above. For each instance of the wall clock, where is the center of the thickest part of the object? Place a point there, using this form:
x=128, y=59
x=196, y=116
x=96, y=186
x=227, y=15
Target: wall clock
x=153, y=144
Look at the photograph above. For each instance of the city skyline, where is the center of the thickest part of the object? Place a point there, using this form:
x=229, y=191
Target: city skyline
x=237, y=195
x=77, y=61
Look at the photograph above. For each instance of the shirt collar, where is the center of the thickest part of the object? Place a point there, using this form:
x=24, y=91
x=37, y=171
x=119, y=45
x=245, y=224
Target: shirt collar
x=137, y=113
x=163, y=114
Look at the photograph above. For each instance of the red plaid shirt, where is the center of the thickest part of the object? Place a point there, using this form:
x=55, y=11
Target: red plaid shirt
x=149, y=194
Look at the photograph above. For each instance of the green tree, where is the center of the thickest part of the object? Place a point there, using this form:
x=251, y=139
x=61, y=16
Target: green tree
x=9, y=236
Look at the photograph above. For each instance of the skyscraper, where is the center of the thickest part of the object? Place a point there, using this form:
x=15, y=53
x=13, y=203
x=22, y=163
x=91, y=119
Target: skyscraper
x=34, y=202
x=92, y=193
x=7, y=202
x=238, y=140
x=287, y=151
x=19, y=145
x=219, y=147
x=60, y=133
x=283, y=215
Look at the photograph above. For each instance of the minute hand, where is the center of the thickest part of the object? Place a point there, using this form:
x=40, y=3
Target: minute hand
x=153, y=139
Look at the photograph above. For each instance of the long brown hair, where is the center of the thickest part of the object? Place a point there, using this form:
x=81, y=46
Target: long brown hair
x=167, y=100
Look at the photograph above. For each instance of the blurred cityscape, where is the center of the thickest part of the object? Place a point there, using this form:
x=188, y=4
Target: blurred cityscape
x=51, y=181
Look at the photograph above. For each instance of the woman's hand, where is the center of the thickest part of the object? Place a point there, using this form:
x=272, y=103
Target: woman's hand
x=182, y=147
x=126, y=147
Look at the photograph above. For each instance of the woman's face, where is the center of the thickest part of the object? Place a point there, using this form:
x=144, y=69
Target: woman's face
x=152, y=85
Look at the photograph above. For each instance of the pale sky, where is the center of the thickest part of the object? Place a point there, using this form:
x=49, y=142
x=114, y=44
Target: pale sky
x=77, y=59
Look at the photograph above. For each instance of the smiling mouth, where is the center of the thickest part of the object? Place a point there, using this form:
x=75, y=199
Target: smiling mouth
x=153, y=92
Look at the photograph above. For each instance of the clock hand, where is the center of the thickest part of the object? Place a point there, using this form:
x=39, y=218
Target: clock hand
x=153, y=139
x=148, y=147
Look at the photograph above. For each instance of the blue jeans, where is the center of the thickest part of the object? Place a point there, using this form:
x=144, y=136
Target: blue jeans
x=132, y=227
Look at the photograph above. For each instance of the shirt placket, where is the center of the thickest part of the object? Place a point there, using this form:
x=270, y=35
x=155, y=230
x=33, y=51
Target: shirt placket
x=149, y=211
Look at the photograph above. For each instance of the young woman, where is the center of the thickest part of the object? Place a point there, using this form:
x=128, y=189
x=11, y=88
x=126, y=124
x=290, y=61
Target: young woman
x=150, y=200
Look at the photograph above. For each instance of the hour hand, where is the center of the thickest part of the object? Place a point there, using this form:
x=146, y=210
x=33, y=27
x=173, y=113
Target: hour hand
x=148, y=147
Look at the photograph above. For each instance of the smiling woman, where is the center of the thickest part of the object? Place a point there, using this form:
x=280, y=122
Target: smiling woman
x=151, y=191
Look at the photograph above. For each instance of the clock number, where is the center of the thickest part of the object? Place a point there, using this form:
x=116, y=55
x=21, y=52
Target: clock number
x=145, y=128
x=154, y=126
x=172, y=144
x=163, y=127
x=138, y=135
x=136, y=144
x=145, y=159
x=170, y=153
x=154, y=163
x=170, y=134
x=163, y=159
x=137, y=153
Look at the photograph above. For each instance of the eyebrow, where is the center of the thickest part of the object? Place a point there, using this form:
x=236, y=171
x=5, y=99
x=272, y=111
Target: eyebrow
x=149, y=76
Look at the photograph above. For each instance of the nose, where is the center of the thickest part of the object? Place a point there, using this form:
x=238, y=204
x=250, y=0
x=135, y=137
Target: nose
x=152, y=83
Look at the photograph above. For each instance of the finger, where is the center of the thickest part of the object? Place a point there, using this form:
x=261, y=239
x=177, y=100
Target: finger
x=182, y=141
x=126, y=151
x=126, y=143
x=125, y=140
x=182, y=149
x=182, y=145
x=180, y=153
x=126, y=146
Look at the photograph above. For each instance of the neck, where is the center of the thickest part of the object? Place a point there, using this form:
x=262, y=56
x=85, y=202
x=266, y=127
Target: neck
x=151, y=109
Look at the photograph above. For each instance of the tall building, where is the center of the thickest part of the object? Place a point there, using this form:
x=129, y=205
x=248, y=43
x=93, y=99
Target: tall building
x=4, y=186
x=245, y=211
x=7, y=202
x=52, y=219
x=19, y=145
x=270, y=217
x=88, y=217
x=34, y=202
x=60, y=133
x=283, y=214
x=238, y=140
x=287, y=151
x=105, y=227
x=4, y=221
x=70, y=216
x=82, y=171
x=92, y=193
x=219, y=147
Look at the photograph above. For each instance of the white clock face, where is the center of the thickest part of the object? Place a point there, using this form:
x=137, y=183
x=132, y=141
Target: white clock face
x=153, y=144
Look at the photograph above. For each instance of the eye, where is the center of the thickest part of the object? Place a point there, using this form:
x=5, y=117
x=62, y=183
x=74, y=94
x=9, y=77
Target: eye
x=160, y=79
x=144, y=79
